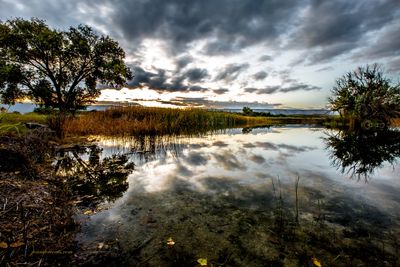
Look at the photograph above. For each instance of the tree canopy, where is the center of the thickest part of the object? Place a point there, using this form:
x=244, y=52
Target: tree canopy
x=58, y=69
x=366, y=94
x=247, y=111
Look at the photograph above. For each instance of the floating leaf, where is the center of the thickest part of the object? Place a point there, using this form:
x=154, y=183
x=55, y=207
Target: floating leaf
x=316, y=262
x=3, y=245
x=17, y=244
x=87, y=212
x=202, y=261
x=170, y=242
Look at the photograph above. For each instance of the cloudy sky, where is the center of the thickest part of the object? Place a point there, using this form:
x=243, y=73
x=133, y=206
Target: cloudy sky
x=272, y=53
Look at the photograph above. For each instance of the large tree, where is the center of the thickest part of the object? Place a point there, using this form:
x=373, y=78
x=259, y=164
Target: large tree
x=366, y=94
x=58, y=69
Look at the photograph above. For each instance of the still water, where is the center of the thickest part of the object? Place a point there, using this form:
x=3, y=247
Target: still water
x=278, y=196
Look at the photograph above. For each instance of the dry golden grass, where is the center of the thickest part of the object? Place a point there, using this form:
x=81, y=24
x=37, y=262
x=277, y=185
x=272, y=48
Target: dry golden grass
x=395, y=122
x=139, y=120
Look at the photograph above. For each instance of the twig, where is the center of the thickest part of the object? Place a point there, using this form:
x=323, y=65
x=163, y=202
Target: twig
x=138, y=248
x=84, y=165
x=297, y=199
x=280, y=202
x=5, y=204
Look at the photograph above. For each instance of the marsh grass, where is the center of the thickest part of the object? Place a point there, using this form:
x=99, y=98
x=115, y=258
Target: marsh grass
x=21, y=118
x=151, y=120
x=14, y=122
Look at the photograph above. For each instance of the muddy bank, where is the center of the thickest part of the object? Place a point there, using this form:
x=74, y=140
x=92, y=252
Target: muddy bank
x=37, y=228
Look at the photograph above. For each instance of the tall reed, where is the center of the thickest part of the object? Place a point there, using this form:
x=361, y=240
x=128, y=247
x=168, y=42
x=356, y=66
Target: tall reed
x=139, y=120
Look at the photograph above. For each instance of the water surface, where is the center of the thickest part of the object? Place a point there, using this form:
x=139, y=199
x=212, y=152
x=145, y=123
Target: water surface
x=230, y=198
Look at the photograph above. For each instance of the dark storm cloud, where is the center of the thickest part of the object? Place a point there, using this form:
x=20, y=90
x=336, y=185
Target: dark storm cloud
x=386, y=44
x=159, y=80
x=183, y=61
x=220, y=91
x=250, y=90
x=268, y=90
x=285, y=76
x=325, y=54
x=202, y=101
x=265, y=58
x=394, y=66
x=324, y=69
x=47, y=10
x=226, y=26
x=289, y=84
x=298, y=87
x=284, y=89
x=261, y=75
x=231, y=24
x=231, y=72
x=332, y=28
x=325, y=29
x=140, y=77
x=231, y=45
x=196, y=74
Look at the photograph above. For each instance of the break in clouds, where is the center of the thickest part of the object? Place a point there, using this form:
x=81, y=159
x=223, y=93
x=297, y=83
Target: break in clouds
x=235, y=48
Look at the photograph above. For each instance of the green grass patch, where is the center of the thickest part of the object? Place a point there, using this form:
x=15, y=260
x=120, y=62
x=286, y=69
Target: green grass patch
x=15, y=122
x=11, y=118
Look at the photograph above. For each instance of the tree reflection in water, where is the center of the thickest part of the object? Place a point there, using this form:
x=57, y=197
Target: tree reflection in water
x=94, y=179
x=360, y=152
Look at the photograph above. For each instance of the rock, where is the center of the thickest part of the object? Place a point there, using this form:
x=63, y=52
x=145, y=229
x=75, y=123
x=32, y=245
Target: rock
x=34, y=125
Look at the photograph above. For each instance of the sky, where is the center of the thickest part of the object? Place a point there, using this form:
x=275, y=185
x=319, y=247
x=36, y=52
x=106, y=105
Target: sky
x=233, y=53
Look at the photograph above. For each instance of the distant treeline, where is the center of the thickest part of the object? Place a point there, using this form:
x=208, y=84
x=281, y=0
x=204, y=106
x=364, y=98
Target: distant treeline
x=250, y=112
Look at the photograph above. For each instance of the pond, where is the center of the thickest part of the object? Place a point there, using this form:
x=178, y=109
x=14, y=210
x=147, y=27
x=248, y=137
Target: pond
x=275, y=196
